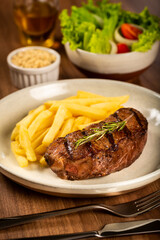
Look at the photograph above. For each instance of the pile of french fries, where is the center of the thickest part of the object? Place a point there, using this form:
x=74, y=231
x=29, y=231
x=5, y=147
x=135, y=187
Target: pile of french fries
x=33, y=134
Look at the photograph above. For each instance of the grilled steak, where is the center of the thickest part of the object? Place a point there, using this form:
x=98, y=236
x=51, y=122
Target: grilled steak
x=99, y=157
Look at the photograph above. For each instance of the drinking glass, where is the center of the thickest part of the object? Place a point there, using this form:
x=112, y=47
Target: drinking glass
x=36, y=21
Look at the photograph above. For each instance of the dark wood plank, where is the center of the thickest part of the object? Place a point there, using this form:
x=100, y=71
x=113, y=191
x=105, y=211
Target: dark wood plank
x=17, y=200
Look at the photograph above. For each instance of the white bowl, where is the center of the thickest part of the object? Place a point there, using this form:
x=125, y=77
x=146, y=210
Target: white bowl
x=24, y=77
x=113, y=66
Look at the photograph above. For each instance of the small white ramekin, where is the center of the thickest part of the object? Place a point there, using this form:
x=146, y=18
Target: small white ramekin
x=25, y=77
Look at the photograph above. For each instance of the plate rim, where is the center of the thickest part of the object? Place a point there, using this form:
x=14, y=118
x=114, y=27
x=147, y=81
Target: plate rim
x=79, y=79
x=91, y=186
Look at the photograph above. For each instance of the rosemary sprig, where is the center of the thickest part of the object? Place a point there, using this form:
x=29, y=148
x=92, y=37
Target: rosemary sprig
x=99, y=133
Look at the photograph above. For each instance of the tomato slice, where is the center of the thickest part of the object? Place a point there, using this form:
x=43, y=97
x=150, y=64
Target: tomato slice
x=122, y=48
x=130, y=32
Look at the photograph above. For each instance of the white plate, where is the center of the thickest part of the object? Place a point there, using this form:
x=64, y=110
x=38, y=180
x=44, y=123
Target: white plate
x=143, y=171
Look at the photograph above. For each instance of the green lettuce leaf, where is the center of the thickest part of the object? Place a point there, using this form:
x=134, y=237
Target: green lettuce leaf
x=78, y=28
x=146, y=40
x=151, y=33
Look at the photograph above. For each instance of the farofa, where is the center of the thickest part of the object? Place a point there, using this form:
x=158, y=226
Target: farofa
x=33, y=58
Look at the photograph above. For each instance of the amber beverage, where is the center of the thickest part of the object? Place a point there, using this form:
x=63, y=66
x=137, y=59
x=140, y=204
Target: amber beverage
x=36, y=20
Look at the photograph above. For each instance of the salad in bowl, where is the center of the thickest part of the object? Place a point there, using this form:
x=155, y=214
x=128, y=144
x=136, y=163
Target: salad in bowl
x=106, y=28
x=105, y=41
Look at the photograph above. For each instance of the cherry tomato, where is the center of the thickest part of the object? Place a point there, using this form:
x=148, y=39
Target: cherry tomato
x=130, y=32
x=122, y=48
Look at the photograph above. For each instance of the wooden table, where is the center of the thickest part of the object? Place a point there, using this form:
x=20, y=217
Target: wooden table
x=17, y=200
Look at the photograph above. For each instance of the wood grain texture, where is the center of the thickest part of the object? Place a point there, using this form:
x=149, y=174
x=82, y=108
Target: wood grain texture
x=17, y=200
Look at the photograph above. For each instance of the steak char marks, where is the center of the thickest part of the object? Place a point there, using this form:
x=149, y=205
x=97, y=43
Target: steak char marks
x=97, y=158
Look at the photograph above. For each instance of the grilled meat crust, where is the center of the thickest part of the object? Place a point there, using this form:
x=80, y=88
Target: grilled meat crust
x=97, y=158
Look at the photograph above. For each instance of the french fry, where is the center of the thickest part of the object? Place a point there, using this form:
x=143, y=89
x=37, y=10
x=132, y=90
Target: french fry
x=87, y=120
x=78, y=110
x=48, y=104
x=113, y=110
x=86, y=111
x=22, y=161
x=38, y=133
x=106, y=106
x=68, y=114
x=54, y=107
x=66, y=127
x=85, y=101
x=26, y=143
x=38, y=121
x=15, y=133
x=43, y=161
x=38, y=140
x=80, y=127
x=40, y=150
x=21, y=152
x=83, y=94
x=79, y=121
x=60, y=116
x=74, y=128
x=17, y=148
x=45, y=124
x=26, y=121
x=17, y=138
